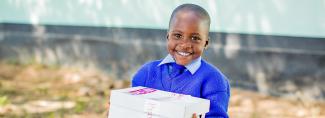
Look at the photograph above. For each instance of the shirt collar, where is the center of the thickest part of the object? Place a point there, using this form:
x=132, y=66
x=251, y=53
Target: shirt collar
x=192, y=67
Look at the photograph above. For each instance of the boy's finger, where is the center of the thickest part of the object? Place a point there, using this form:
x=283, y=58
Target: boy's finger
x=107, y=108
x=194, y=115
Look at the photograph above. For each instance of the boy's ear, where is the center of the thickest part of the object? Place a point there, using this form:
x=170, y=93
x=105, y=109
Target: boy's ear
x=206, y=43
x=167, y=36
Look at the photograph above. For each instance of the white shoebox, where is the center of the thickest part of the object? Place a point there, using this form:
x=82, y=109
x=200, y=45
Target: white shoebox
x=143, y=102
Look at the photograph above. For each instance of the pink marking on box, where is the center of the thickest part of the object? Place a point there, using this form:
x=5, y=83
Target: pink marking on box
x=142, y=91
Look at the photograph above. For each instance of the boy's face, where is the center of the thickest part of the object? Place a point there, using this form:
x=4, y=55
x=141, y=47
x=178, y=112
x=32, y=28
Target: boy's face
x=187, y=37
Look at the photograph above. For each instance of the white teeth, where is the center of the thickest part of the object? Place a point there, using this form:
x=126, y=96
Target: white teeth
x=183, y=53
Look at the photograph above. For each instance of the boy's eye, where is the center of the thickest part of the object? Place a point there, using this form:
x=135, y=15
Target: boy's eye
x=195, y=38
x=178, y=36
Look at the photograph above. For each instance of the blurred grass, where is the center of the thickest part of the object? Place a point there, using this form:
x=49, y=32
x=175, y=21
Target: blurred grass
x=4, y=100
x=24, y=85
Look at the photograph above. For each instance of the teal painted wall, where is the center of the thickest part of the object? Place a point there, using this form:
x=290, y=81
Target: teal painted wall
x=274, y=17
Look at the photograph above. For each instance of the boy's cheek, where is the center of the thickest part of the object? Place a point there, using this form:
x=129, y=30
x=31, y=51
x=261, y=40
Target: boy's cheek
x=170, y=47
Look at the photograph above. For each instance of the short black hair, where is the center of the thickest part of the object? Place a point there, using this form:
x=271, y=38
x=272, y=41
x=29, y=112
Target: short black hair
x=191, y=7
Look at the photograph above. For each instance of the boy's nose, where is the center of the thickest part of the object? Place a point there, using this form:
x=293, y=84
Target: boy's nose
x=185, y=44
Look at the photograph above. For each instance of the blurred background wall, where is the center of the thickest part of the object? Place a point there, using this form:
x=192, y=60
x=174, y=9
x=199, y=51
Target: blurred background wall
x=275, y=47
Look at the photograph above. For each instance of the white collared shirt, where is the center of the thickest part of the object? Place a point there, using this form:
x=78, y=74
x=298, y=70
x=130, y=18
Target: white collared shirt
x=192, y=67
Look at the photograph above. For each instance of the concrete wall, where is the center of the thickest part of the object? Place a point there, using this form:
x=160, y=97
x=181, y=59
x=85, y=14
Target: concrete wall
x=277, y=65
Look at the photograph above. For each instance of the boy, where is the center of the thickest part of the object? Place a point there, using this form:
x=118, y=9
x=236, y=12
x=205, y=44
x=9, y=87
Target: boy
x=183, y=70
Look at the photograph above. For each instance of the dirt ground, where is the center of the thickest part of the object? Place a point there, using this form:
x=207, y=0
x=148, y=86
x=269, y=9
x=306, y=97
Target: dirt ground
x=38, y=91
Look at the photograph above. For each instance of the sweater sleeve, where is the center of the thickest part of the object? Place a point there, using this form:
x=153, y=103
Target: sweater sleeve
x=140, y=76
x=217, y=90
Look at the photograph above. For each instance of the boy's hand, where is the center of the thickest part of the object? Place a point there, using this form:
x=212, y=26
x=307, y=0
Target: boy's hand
x=107, y=108
x=194, y=115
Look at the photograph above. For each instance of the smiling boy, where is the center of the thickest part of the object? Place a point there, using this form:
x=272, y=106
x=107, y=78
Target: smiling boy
x=183, y=70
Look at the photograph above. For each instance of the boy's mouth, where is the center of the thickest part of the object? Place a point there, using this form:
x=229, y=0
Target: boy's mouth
x=181, y=53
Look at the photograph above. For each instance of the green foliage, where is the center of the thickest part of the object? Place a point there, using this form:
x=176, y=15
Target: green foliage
x=81, y=106
x=4, y=100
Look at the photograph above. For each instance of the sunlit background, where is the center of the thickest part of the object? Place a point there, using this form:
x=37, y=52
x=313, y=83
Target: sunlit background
x=61, y=58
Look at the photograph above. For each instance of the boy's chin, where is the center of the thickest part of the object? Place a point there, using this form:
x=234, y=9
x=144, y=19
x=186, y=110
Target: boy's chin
x=182, y=62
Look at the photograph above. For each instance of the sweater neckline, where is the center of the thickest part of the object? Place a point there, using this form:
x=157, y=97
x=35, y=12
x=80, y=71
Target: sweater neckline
x=176, y=83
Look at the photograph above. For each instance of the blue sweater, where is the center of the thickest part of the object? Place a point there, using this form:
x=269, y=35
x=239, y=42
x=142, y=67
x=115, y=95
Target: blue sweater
x=207, y=82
